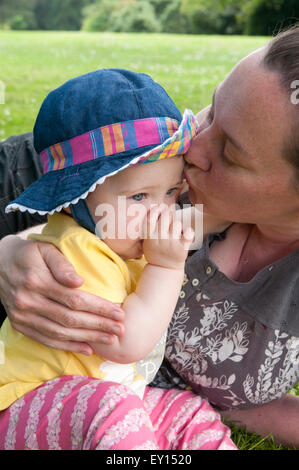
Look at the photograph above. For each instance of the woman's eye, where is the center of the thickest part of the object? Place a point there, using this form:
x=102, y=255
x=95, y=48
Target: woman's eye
x=210, y=117
x=226, y=160
x=138, y=197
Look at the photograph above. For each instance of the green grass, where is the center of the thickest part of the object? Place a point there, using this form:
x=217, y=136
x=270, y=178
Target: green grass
x=189, y=67
x=33, y=63
x=246, y=441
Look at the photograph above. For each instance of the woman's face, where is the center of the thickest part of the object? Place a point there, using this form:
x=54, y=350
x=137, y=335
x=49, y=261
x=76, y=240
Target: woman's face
x=235, y=165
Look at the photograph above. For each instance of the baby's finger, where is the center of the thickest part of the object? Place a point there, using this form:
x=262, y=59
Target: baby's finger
x=188, y=237
x=176, y=229
x=151, y=222
x=164, y=224
x=188, y=233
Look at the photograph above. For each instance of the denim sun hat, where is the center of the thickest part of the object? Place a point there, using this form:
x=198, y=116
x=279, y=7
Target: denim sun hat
x=95, y=126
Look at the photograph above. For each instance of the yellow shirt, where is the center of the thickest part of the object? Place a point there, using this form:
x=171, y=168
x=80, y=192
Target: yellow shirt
x=28, y=364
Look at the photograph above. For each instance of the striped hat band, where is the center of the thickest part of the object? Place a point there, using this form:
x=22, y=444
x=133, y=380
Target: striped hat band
x=108, y=140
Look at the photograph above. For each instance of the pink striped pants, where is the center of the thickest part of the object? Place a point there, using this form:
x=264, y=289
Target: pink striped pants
x=84, y=413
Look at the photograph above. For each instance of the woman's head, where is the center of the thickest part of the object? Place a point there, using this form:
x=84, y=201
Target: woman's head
x=282, y=58
x=238, y=167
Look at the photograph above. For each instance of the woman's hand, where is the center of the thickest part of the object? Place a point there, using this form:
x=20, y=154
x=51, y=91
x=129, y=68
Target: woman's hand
x=38, y=288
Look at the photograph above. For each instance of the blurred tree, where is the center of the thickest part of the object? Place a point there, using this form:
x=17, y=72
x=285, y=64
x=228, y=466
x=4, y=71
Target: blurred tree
x=4, y=8
x=121, y=16
x=134, y=16
x=161, y=5
x=18, y=22
x=97, y=15
x=173, y=20
x=179, y=16
x=59, y=15
x=17, y=14
x=216, y=16
x=267, y=17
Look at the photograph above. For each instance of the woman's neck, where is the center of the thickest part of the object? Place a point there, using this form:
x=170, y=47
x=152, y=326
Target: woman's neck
x=249, y=248
x=277, y=237
x=263, y=247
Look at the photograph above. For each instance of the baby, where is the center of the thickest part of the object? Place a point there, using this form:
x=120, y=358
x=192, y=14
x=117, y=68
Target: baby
x=111, y=143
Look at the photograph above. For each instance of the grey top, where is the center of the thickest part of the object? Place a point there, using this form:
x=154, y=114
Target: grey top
x=237, y=344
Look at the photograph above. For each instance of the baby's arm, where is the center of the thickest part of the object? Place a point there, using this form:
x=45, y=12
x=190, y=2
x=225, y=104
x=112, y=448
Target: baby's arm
x=149, y=309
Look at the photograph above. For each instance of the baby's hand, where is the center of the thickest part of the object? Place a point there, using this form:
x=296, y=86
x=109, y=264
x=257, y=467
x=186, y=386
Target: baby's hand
x=166, y=243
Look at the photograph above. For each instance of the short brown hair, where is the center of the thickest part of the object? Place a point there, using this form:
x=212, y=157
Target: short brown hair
x=282, y=56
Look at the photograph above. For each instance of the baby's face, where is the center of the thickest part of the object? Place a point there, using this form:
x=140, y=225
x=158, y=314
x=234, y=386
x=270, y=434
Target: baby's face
x=119, y=205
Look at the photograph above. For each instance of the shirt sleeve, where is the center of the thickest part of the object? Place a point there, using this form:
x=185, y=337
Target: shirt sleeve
x=103, y=276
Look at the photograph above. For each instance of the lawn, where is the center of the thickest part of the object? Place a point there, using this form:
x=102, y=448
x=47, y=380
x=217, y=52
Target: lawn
x=33, y=63
x=188, y=66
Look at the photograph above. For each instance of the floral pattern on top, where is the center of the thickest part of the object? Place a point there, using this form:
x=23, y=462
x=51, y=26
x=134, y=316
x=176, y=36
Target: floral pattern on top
x=212, y=348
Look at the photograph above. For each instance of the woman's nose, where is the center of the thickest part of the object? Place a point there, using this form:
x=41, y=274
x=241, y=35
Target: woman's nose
x=196, y=155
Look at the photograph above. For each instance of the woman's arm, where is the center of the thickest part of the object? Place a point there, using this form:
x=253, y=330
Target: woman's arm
x=38, y=289
x=149, y=309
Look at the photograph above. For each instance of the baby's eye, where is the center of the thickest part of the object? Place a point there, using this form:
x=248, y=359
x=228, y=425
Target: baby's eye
x=170, y=191
x=138, y=197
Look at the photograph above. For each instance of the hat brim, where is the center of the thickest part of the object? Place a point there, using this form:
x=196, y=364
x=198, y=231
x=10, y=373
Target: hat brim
x=56, y=190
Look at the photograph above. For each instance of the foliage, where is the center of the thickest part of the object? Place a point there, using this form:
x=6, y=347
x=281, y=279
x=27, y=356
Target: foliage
x=123, y=16
x=24, y=21
x=18, y=14
x=267, y=17
x=173, y=20
x=160, y=5
x=59, y=15
x=216, y=16
x=97, y=15
x=178, y=16
x=134, y=16
x=42, y=14
x=18, y=22
x=259, y=17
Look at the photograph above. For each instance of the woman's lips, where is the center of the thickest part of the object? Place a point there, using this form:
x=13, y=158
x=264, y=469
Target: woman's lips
x=188, y=168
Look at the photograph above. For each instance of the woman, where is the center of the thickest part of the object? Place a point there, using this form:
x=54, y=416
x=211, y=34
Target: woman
x=234, y=334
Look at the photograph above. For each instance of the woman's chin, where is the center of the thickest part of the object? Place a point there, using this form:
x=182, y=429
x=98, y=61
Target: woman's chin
x=194, y=197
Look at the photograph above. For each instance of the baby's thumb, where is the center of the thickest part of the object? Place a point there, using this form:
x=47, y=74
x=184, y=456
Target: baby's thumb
x=188, y=234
